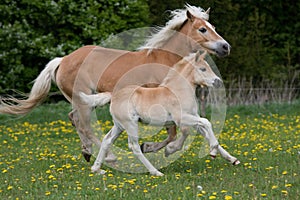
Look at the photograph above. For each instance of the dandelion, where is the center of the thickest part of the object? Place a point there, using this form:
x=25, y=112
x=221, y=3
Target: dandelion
x=284, y=172
x=9, y=187
x=288, y=185
x=47, y=193
x=263, y=195
x=285, y=192
x=228, y=197
x=212, y=197
x=274, y=187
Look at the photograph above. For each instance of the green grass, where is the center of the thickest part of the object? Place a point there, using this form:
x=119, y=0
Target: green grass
x=40, y=158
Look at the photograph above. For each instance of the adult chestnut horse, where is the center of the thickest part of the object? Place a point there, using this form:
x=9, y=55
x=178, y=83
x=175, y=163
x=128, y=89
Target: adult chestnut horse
x=96, y=70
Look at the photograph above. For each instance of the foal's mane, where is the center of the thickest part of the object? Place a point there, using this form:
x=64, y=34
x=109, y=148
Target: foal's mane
x=163, y=34
x=173, y=71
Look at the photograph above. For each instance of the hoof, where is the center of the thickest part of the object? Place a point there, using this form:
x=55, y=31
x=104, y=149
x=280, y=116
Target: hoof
x=97, y=170
x=156, y=173
x=142, y=147
x=87, y=156
x=213, y=156
x=236, y=162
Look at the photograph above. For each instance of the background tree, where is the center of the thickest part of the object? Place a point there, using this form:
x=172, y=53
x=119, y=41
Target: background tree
x=32, y=32
x=262, y=33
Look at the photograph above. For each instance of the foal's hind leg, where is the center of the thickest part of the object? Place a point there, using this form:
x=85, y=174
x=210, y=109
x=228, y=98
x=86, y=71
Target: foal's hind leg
x=205, y=128
x=177, y=145
x=109, y=138
x=148, y=147
x=132, y=131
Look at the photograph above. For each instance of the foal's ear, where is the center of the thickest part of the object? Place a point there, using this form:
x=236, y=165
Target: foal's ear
x=200, y=55
x=190, y=16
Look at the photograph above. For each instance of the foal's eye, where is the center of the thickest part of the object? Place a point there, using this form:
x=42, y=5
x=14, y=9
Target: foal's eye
x=202, y=30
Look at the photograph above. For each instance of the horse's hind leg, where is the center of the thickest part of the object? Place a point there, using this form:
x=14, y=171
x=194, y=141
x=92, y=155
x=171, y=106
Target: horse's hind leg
x=148, y=147
x=81, y=117
x=81, y=128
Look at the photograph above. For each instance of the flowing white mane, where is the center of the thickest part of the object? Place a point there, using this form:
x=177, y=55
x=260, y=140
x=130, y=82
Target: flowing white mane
x=179, y=16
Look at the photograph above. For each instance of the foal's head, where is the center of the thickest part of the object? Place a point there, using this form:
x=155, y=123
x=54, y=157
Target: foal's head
x=205, y=35
x=203, y=74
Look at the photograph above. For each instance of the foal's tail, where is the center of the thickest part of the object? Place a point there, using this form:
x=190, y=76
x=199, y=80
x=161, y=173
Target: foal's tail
x=39, y=92
x=94, y=100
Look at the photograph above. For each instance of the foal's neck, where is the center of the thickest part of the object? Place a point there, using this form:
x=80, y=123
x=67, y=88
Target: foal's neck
x=180, y=79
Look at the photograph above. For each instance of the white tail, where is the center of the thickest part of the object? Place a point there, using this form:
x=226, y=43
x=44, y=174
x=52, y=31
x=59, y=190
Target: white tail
x=38, y=93
x=94, y=100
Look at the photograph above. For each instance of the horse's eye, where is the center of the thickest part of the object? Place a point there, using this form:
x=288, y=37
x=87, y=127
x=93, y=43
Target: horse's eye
x=203, y=69
x=202, y=30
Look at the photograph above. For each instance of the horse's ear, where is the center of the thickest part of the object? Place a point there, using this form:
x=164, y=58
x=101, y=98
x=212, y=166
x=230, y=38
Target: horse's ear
x=207, y=11
x=190, y=16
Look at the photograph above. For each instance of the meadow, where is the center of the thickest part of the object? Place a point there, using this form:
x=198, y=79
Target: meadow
x=40, y=158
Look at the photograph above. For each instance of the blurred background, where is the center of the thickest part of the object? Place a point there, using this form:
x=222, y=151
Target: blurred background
x=263, y=66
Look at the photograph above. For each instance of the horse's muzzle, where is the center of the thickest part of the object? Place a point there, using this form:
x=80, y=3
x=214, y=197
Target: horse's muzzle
x=217, y=83
x=223, y=49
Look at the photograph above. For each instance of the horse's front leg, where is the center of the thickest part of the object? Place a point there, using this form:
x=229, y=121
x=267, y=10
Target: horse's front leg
x=177, y=145
x=148, y=147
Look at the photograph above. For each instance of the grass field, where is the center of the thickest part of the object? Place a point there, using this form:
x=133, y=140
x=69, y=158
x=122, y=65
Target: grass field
x=40, y=158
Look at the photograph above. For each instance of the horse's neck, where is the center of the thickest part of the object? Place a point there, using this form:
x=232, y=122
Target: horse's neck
x=179, y=43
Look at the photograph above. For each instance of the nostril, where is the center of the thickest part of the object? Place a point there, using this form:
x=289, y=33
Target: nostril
x=225, y=47
x=217, y=83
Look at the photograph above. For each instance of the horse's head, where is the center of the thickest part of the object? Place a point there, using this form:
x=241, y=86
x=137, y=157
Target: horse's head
x=203, y=74
x=204, y=34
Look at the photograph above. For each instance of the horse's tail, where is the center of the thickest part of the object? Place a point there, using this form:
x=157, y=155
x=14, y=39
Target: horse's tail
x=38, y=93
x=94, y=100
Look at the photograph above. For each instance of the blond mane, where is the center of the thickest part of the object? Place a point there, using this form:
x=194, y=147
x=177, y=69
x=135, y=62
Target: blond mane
x=178, y=17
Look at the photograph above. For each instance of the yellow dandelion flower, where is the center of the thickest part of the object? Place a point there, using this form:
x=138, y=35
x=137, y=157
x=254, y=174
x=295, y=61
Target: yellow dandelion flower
x=263, y=195
x=228, y=197
x=9, y=187
x=284, y=192
x=212, y=197
x=284, y=172
x=188, y=188
x=145, y=190
x=288, y=185
x=47, y=193
x=274, y=187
